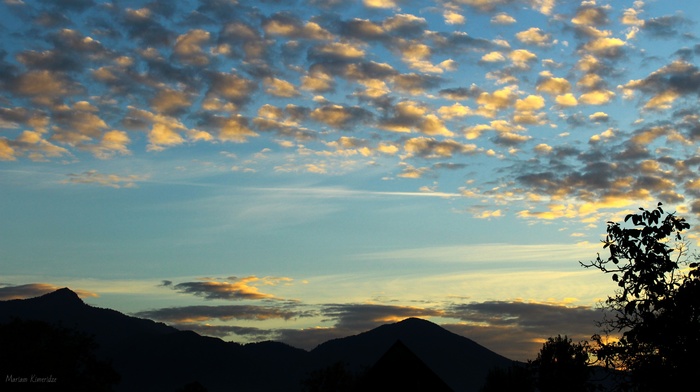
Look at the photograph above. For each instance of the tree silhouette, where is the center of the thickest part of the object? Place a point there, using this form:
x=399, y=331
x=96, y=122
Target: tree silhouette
x=334, y=378
x=655, y=311
x=562, y=366
x=516, y=378
x=43, y=356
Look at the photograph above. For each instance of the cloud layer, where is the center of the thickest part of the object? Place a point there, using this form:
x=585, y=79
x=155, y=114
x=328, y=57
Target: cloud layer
x=337, y=87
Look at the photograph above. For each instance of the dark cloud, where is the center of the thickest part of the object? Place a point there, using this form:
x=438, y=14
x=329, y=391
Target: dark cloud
x=309, y=338
x=45, y=87
x=460, y=41
x=415, y=83
x=51, y=19
x=341, y=117
x=510, y=139
x=141, y=25
x=50, y=60
x=461, y=93
x=362, y=317
x=519, y=328
x=450, y=166
x=514, y=329
x=201, y=313
x=362, y=29
x=665, y=26
x=32, y=290
x=222, y=331
x=230, y=87
x=70, y=5
x=231, y=288
x=668, y=83
x=239, y=39
x=351, y=319
x=19, y=117
x=534, y=316
x=26, y=291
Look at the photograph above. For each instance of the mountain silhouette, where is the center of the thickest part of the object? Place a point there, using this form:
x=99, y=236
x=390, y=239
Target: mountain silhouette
x=400, y=369
x=151, y=356
x=462, y=363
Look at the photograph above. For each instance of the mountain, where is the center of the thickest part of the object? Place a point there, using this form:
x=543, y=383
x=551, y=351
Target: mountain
x=459, y=361
x=400, y=369
x=152, y=356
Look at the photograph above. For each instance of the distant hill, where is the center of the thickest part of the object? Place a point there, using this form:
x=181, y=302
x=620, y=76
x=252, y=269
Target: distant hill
x=152, y=356
x=459, y=361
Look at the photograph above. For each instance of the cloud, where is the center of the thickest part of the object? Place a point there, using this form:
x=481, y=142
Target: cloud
x=234, y=128
x=202, y=313
x=432, y=148
x=44, y=87
x=502, y=19
x=515, y=329
x=232, y=288
x=188, y=47
x=527, y=324
x=667, y=84
x=493, y=57
x=412, y=116
x=553, y=85
x=596, y=97
x=534, y=36
x=32, y=144
x=522, y=58
x=288, y=25
x=341, y=117
x=222, y=331
x=228, y=88
x=589, y=14
x=485, y=5
x=31, y=290
x=663, y=26
x=109, y=180
x=351, y=319
x=362, y=317
x=453, y=17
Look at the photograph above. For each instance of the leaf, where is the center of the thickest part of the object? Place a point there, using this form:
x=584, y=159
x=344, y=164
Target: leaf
x=615, y=278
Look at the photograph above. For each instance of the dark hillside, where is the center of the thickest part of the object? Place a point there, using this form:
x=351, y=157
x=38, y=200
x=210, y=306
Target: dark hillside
x=152, y=356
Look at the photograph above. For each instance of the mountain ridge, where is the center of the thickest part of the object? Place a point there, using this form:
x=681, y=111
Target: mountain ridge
x=153, y=356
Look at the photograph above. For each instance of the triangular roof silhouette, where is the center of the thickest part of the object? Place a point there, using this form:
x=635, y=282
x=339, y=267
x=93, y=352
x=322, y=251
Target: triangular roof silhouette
x=399, y=369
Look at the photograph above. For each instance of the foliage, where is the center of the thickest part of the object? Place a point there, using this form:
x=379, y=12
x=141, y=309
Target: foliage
x=562, y=366
x=194, y=386
x=334, y=378
x=53, y=358
x=655, y=311
x=516, y=378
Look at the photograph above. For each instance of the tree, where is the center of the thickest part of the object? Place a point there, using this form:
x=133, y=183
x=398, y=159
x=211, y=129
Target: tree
x=336, y=378
x=516, y=378
x=49, y=357
x=653, y=319
x=562, y=365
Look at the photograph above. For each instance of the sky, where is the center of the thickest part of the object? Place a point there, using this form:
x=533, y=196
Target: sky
x=306, y=170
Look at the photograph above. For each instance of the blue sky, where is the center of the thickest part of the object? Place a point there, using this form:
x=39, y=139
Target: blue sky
x=303, y=170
